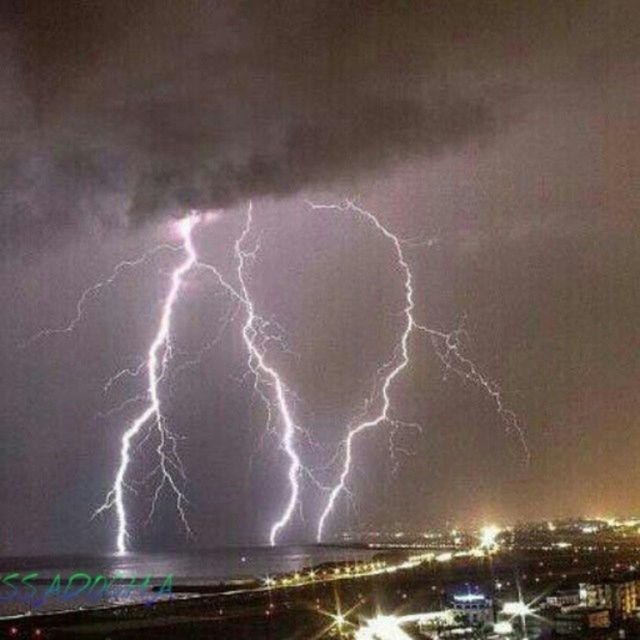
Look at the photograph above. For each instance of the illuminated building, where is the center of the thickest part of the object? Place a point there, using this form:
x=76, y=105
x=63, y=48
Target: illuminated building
x=476, y=608
x=595, y=595
x=564, y=598
x=622, y=597
x=573, y=620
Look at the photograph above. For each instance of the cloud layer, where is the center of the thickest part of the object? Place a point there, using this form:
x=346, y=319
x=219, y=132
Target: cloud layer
x=112, y=111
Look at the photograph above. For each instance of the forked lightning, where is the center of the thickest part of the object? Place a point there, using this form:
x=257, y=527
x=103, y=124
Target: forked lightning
x=450, y=354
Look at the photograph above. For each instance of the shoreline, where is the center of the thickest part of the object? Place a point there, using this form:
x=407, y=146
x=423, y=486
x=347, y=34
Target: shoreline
x=181, y=591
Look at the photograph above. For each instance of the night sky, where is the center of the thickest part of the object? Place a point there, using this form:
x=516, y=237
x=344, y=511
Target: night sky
x=500, y=137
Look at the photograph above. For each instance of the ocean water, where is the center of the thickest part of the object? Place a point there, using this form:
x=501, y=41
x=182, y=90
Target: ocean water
x=191, y=568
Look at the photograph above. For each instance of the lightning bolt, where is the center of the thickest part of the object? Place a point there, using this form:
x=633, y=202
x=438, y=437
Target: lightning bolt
x=394, y=366
x=158, y=358
x=266, y=375
x=256, y=335
x=151, y=419
x=448, y=349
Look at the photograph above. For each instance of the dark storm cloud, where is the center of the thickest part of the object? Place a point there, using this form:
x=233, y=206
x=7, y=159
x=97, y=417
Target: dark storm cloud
x=147, y=108
x=116, y=111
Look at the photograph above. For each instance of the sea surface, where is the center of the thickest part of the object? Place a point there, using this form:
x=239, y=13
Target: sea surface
x=226, y=565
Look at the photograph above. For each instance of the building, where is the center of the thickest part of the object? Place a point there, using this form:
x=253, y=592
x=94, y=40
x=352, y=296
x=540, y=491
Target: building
x=622, y=597
x=475, y=608
x=595, y=595
x=575, y=620
x=564, y=598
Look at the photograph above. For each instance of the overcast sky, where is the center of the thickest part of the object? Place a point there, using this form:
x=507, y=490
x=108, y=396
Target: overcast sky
x=501, y=136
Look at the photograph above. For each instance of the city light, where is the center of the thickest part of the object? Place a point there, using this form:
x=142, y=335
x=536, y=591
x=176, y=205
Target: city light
x=503, y=628
x=469, y=597
x=517, y=608
x=339, y=620
x=444, y=557
x=383, y=628
x=488, y=537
